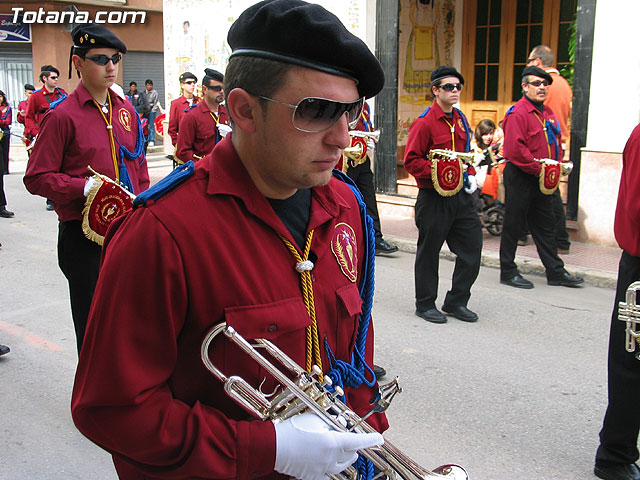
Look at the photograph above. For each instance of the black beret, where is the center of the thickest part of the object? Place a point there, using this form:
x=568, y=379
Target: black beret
x=445, y=71
x=216, y=75
x=186, y=76
x=92, y=35
x=305, y=34
x=538, y=72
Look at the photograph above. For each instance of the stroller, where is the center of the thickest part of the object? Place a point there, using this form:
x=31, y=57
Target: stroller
x=491, y=210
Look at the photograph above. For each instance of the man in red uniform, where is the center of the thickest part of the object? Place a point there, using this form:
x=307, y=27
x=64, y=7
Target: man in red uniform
x=618, y=450
x=181, y=105
x=93, y=127
x=264, y=214
x=199, y=129
x=558, y=99
x=530, y=134
x=41, y=99
x=22, y=106
x=444, y=216
x=362, y=175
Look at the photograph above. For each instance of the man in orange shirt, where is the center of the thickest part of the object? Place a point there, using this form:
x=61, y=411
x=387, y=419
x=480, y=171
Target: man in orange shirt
x=559, y=96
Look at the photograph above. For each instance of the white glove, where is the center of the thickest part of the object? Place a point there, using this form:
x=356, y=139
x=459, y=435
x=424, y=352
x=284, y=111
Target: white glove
x=307, y=449
x=473, y=184
x=550, y=161
x=87, y=186
x=223, y=129
x=371, y=145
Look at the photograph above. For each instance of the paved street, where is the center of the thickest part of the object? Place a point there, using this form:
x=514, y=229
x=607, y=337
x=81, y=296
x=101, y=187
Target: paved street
x=519, y=395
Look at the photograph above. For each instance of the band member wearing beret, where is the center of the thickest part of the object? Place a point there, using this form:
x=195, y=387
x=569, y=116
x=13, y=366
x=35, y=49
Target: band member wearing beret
x=199, y=128
x=445, y=209
x=234, y=242
x=618, y=450
x=94, y=127
x=181, y=105
x=531, y=134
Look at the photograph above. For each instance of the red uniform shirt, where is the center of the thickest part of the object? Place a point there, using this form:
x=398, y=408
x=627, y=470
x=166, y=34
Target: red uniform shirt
x=158, y=409
x=37, y=106
x=198, y=131
x=179, y=107
x=433, y=132
x=627, y=221
x=22, y=107
x=524, y=137
x=6, y=116
x=74, y=135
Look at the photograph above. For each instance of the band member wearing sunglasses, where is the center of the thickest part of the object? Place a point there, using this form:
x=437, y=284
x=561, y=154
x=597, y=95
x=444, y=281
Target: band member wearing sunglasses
x=531, y=134
x=261, y=236
x=181, y=105
x=40, y=101
x=200, y=129
x=94, y=127
x=445, y=209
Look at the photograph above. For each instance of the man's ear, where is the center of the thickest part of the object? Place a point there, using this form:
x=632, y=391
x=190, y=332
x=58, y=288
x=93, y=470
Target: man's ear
x=243, y=109
x=78, y=63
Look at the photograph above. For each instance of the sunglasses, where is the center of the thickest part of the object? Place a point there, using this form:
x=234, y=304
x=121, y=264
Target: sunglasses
x=103, y=59
x=53, y=77
x=189, y=82
x=215, y=88
x=313, y=114
x=537, y=83
x=450, y=87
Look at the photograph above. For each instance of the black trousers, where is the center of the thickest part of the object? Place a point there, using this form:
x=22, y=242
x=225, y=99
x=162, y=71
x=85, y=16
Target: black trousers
x=4, y=166
x=454, y=220
x=79, y=260
x=363, y=176
x=619, y=434
x=560, y=221
x=524, y=200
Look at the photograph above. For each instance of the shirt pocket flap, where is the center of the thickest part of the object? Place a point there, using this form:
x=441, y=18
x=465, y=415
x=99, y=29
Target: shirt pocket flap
x=350, y=298
x=270, y=320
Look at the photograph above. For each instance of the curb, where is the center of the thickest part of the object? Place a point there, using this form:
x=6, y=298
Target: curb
x=594, y=277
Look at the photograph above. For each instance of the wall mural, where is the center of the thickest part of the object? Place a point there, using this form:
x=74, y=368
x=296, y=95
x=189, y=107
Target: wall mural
x=195, y=33
x=426, y=41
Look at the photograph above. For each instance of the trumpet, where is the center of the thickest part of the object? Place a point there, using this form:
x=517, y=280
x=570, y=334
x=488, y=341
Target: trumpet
x=301, y=391
x=629, y=312
x=438, y=153
x=356, y=153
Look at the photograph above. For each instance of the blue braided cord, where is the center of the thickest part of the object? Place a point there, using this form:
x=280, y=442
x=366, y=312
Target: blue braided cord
x=364, y=466
x=168, y=183
x=425, y=112
x=7, y=113
x=138, y=151
x=353, y=373
x=552, y=133
x=57, y=102
x=467, y=131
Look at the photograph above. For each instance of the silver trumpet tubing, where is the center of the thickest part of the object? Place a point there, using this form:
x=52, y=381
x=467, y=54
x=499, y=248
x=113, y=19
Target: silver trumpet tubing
x=300, y=391
x=629, y=312
x=466, y=158
x=565, y=167
x=375, y=135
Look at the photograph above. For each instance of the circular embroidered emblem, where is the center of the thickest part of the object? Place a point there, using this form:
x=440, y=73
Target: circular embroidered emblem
x=345, y=249
x=125, y=119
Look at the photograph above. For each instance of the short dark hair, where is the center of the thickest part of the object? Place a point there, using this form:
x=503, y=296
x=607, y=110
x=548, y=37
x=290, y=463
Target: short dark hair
x=46, y=71
x=28, y=86
x=148, y=81
x=133, y=83
x=258, y=76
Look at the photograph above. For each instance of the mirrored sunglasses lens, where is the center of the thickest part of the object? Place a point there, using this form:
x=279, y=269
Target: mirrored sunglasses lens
x=450, y=87
x=317, y=114
x=103, y=59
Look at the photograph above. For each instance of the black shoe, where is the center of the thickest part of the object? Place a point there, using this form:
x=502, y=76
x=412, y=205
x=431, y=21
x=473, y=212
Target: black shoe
x=563, y=251
x=432, y=315
x=461, y=313
x=617, y=471
x=517, y=281
x=383, y=248
x=4, y=349
x=379, y=371
x=565, y=280
x=5, y=213
x=49, y=205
